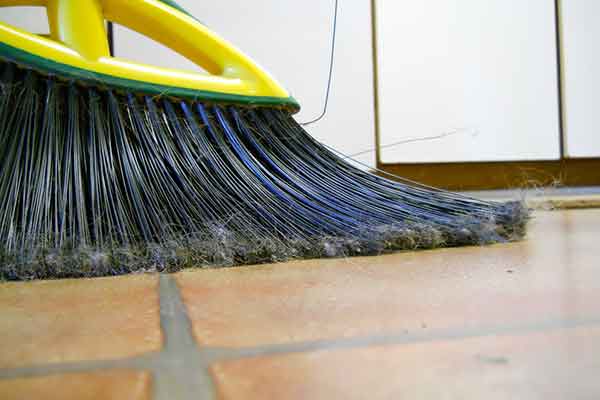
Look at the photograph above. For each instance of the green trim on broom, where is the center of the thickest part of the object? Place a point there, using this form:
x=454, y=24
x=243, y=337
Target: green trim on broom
x=50, y=67
x=176, y=6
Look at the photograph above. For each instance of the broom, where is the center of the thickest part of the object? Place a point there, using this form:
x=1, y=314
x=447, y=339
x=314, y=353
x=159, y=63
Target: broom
x=110, y=167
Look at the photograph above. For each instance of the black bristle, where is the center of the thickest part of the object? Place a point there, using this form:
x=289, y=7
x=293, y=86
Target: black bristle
x=95, y=182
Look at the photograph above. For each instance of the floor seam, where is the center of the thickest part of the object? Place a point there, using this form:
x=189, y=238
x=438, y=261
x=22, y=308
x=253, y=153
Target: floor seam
x=183, y=372
x=179, y=368
x=142, y=362
x=222, y=354
x=156, y=362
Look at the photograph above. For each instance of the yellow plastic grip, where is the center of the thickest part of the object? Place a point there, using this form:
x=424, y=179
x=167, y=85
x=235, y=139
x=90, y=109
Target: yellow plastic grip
x=78, y=39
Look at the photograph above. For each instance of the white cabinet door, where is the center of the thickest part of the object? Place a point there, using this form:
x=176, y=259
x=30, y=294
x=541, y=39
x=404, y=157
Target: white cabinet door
x=581, y=79
x=477, y=77
x=291, y=39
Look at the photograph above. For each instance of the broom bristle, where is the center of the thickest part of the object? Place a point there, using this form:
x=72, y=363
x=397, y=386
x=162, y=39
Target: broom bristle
x=95, y=182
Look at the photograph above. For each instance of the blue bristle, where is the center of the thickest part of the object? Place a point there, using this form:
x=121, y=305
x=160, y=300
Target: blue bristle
x=97, y=182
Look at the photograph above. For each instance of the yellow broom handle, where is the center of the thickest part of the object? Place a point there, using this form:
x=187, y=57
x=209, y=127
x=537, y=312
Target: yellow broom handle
x=80, y=25
x=176, y=30
x=78, y=33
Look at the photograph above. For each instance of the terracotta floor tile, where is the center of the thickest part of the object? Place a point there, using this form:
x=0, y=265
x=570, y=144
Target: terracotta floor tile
x=553, y=275
x=83, y=319
x=561, y=364
x=114, y=385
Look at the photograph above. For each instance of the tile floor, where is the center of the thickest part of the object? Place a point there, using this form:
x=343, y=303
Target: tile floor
x=518, y=320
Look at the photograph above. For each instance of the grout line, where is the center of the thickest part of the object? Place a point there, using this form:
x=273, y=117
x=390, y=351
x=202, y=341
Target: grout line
x=180, y=369
x=183, y=373
x=220, y=354
x=143, y=362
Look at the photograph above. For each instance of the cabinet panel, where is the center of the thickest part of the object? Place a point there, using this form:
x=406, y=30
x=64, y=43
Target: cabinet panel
x=479, y=78
x=292, y=41
x=581, y=83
